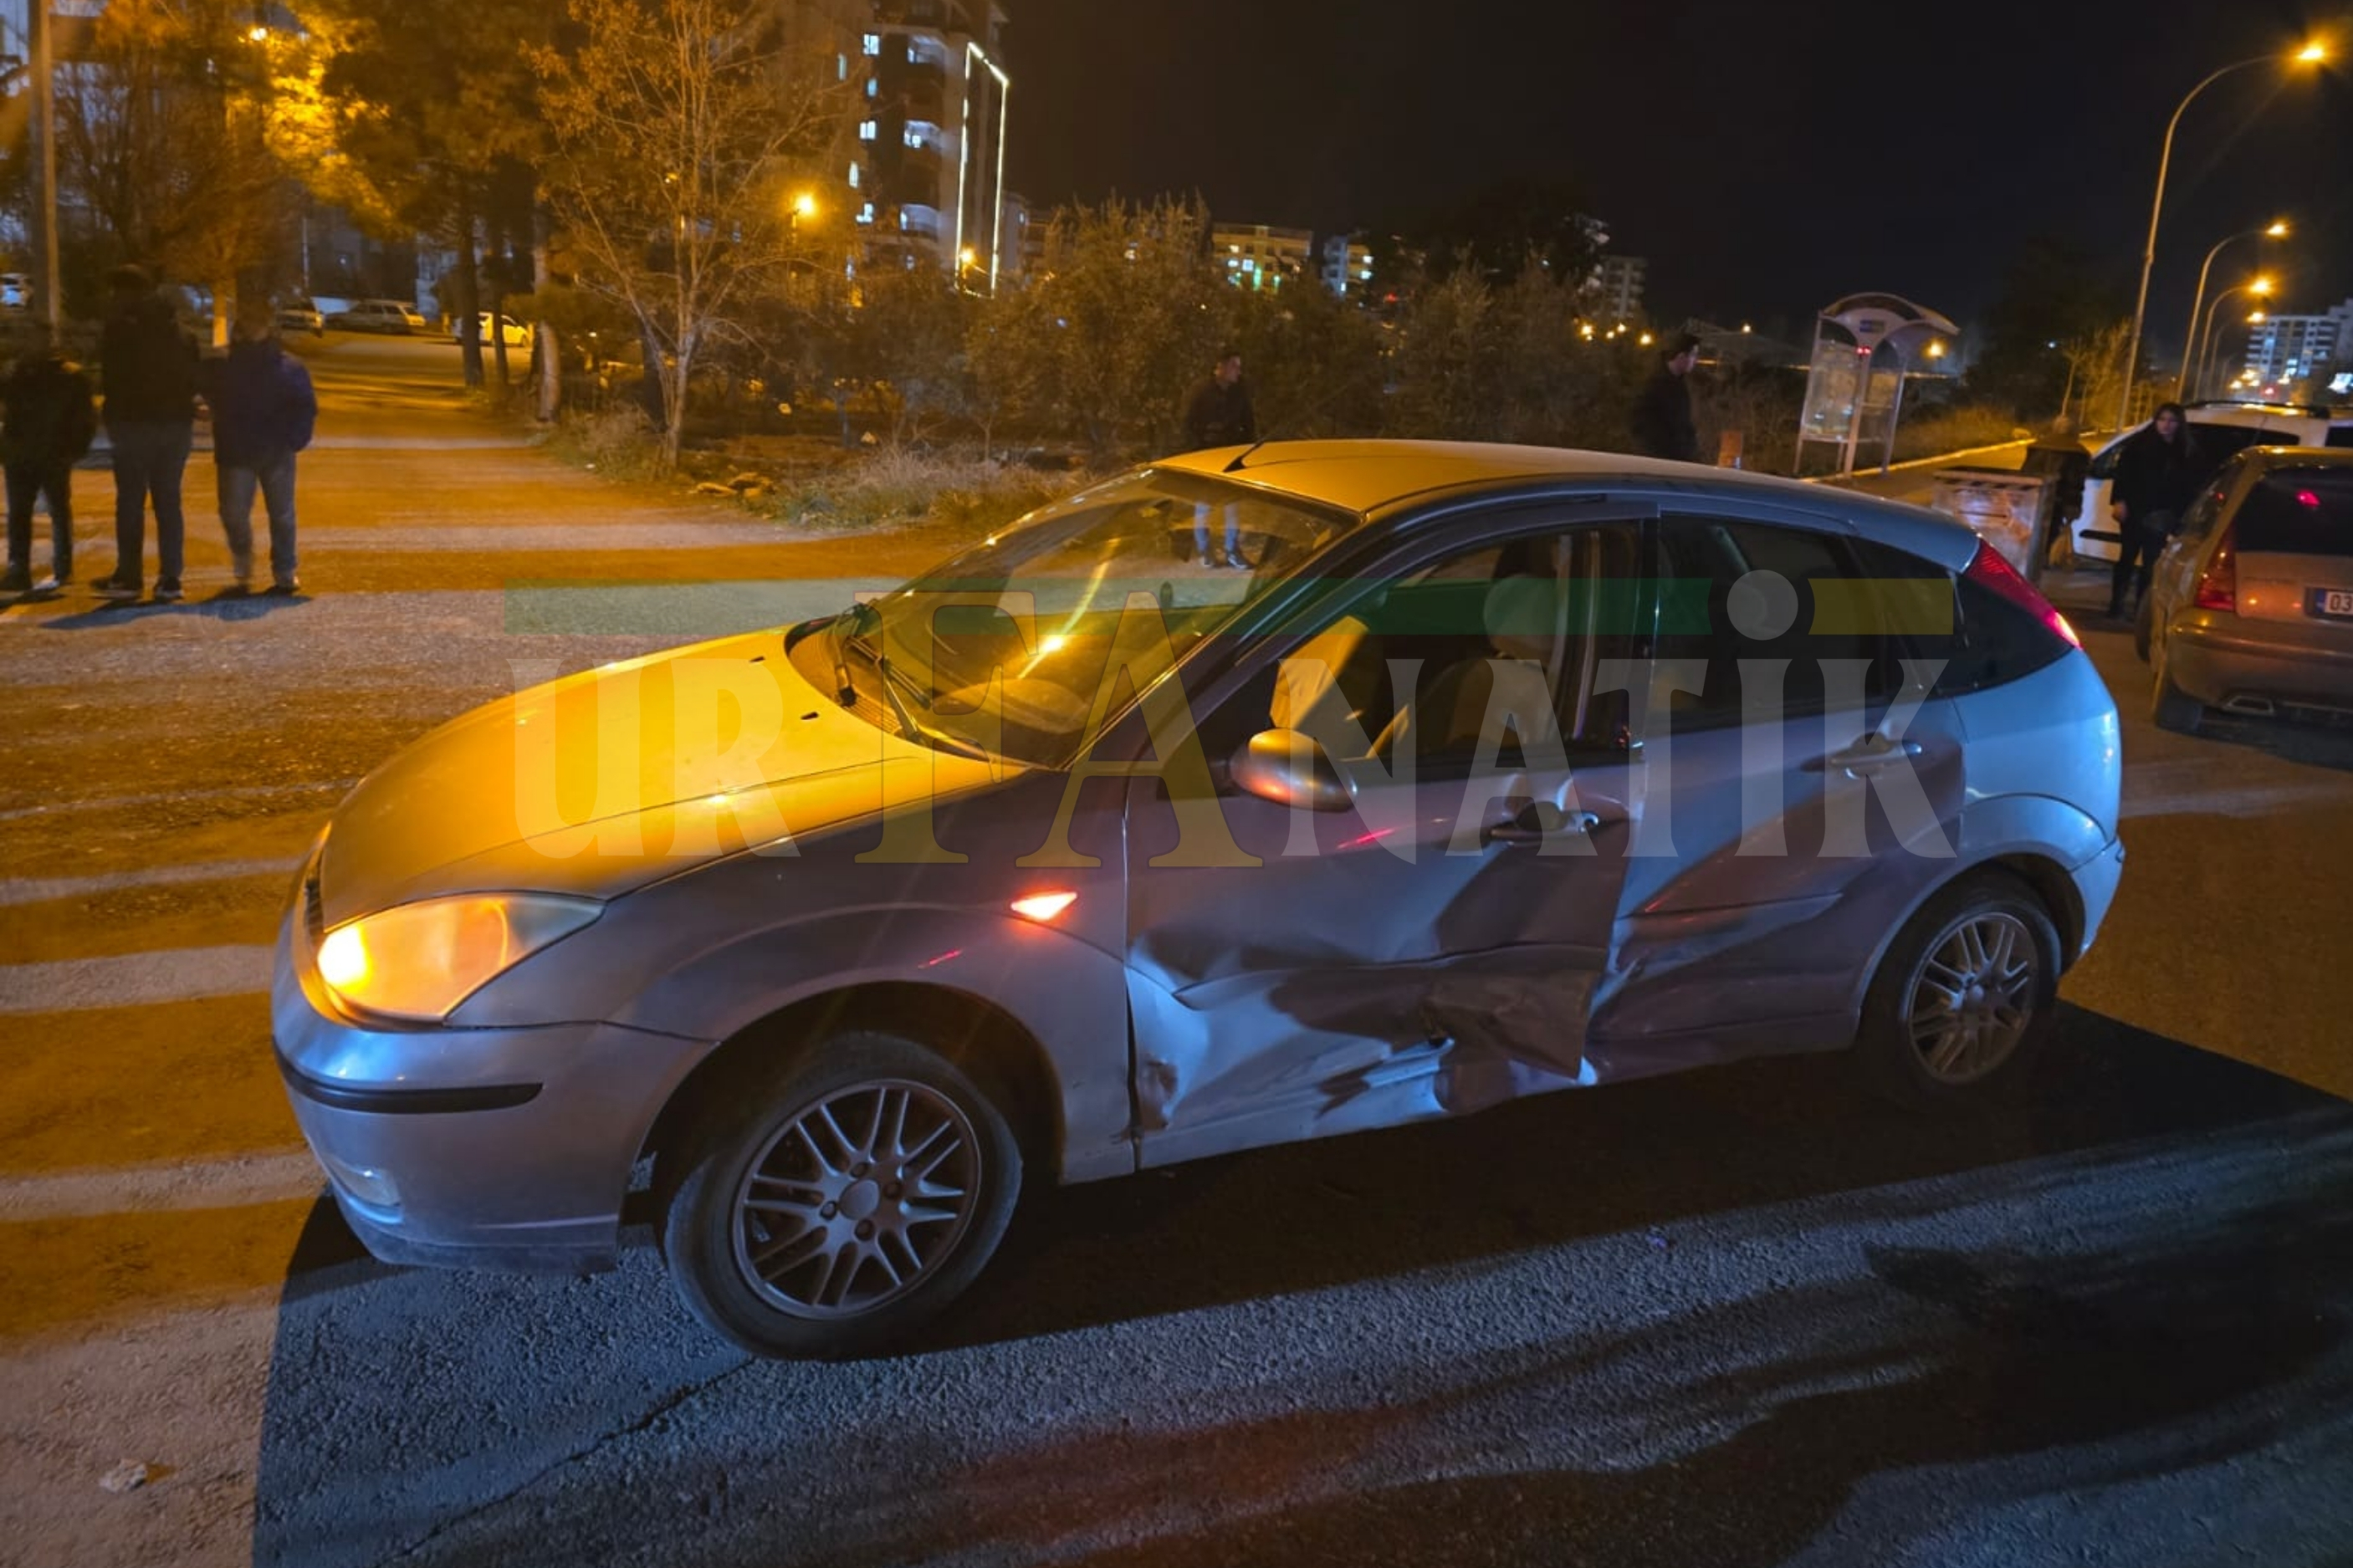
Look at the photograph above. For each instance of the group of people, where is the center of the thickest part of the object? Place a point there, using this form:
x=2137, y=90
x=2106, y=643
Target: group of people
x=262, y=407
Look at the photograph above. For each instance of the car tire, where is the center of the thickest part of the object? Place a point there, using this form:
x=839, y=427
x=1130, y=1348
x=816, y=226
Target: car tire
x=2169, y=707
x=805, y=1152
x=2143, y=629
x=1963, y=998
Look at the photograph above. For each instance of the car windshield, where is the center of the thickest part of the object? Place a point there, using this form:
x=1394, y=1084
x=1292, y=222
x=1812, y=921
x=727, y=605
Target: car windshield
x=1016, y=647
x=2298, y=511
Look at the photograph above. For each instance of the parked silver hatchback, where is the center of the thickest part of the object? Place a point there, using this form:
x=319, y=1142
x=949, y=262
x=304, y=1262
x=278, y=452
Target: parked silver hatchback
x=1468, y=773
x=2251, y=607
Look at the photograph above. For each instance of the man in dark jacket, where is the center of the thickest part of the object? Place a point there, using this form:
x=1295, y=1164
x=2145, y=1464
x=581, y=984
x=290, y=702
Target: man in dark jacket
x=2158, y=473
x=1663, y=414
x=1219, y=413
x=149, y=367
x=263, y=413
x=51, y=419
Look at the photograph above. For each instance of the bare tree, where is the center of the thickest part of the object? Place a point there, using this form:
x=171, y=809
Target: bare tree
x=165, y=147
x=680, y=128
x=2096, y=369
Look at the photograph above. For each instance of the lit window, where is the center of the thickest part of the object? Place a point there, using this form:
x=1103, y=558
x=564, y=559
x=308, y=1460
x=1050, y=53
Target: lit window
x=1366, y=274
x=914, y=138
x=872, y=44
x=874, y=88
x=866, y=213
x=853, y=176
x=868, y=131
x=841, y=68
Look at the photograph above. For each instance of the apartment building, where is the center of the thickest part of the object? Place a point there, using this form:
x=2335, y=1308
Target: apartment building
x=931, y=171
x=1620, y=282
x=1348, y=265
x=1255, y=256
x=2285, y=349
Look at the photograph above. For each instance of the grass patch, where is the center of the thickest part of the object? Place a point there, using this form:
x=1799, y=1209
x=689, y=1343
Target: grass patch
x=615, y=442
x=813, y=482
x=1956, y=430
x=893, y=487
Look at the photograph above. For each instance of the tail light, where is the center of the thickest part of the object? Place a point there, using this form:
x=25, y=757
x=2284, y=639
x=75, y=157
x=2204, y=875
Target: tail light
x=1988, y=570
x=2218, y=585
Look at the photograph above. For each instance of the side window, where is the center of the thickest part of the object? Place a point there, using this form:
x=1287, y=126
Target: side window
x=2199, y=521
x=1731, y=592
x=1476, y=625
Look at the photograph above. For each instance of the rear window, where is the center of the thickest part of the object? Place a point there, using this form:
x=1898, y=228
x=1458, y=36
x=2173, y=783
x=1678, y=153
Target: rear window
x=2298, y=511
x=1981, y=639
x=2215, y=444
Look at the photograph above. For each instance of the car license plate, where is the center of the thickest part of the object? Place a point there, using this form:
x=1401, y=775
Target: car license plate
x=2336, y=603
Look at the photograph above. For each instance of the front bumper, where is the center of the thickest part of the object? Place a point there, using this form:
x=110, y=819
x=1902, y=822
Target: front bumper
x=471, y=1148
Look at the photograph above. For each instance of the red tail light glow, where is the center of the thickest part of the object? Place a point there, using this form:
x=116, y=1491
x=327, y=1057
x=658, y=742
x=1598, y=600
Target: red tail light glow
x=2218, y=585
x=1988, y=570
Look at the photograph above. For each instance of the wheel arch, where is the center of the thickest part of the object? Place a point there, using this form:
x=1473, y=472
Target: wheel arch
x=981, y=1038
x=2049, y=883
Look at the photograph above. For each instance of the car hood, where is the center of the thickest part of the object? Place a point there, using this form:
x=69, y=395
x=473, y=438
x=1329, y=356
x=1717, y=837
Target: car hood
x=618, y=776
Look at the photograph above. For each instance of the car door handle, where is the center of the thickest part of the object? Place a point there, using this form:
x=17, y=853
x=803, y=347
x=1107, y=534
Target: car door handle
x=1872, y=752
x=1525, y=829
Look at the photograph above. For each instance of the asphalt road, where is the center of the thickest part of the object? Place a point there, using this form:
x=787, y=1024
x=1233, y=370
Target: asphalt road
x=1744, y=1316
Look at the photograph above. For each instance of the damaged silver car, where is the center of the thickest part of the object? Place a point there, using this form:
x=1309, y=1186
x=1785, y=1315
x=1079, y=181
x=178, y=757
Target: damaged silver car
x=1489, y=771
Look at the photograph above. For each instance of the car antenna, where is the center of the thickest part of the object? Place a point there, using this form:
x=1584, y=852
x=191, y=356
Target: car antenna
x=1235, y=465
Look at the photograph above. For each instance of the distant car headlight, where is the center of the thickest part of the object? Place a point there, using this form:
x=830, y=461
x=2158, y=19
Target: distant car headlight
x=419, y=961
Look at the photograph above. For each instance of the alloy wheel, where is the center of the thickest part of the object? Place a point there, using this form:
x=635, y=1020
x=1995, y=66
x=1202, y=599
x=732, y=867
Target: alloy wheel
x=1972, y=996
x=857, y=1199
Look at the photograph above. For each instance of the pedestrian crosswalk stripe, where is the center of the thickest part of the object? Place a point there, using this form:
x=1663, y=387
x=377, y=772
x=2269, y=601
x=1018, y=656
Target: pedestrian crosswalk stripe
x=134, y=980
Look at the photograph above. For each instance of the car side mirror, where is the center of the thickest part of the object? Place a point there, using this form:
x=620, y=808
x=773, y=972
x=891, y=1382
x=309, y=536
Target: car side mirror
x=1290, y=769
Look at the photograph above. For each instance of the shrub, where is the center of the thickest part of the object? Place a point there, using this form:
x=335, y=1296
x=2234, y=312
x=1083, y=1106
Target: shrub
x=896, y=486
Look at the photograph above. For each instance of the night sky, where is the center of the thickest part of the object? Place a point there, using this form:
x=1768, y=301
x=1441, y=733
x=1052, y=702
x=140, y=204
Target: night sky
x=1767, y=157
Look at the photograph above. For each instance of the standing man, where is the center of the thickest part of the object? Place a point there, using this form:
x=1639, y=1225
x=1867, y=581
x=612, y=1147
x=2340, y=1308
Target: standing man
x=1663, y=414
x=149, y=367
x=1219, y=413
x=51, y=419
x=263, y=413
x=2157, y=476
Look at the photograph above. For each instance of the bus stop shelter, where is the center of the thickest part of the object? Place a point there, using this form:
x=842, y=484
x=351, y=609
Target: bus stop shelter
x=1864, y=345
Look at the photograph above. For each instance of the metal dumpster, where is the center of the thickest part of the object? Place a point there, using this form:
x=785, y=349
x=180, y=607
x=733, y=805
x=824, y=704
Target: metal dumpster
x=2008, y=510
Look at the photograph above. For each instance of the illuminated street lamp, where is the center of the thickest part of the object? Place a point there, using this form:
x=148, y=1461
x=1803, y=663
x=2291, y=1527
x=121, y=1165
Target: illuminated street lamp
x=2311, y=54
x=804, y=204
x=2190, y=363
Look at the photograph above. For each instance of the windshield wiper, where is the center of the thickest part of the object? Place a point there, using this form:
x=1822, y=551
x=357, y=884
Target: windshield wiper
x=892, y=679
x=844, y=690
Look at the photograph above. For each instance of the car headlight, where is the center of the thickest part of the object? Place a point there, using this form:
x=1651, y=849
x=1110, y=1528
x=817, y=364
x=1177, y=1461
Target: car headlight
x=419, y=961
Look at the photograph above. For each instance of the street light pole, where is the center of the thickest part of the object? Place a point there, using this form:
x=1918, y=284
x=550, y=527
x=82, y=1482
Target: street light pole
x=2310, y=54
x=2214, y=319
x=2191, y=361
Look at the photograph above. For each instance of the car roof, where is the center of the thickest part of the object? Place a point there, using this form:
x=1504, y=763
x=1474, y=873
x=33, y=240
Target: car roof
x=2297, y=456
x=1376, y=476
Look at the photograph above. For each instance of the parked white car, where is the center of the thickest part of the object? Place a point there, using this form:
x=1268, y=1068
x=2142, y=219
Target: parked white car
x=516, y=334
x=2222, y=431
